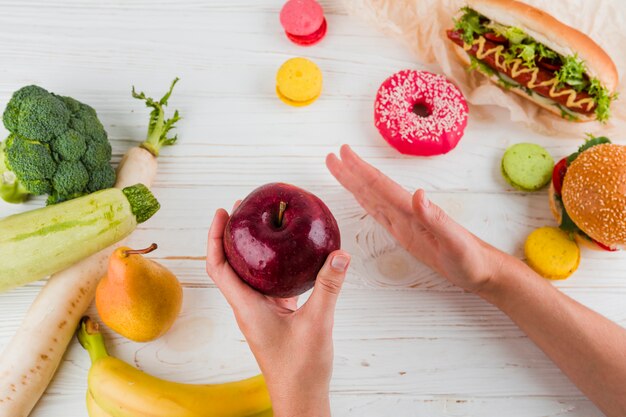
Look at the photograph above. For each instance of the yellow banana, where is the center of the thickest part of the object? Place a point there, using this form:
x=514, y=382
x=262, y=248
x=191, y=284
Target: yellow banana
x=119, y=390
x=93, y=409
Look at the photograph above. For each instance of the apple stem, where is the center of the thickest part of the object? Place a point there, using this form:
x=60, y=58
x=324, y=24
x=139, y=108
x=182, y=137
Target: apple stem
x=281, y=212
x=141, y=251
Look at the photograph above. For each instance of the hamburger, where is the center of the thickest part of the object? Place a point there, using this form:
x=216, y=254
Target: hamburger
x=588, y=194
x=529, y=52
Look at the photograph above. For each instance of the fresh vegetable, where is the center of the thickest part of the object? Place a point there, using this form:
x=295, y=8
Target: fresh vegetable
x=120, y=390
x=50, y=323
x=570, y=71
x=41, y=242
x=57, y=146
x=159, y=126
x=471, y=23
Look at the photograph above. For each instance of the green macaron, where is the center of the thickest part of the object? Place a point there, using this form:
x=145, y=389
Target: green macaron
x=527, y=166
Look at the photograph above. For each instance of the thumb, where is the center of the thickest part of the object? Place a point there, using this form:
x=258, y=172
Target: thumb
x=329, y=282
x=434, y=219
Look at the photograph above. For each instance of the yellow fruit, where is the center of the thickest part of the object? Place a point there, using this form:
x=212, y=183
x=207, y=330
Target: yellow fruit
x=93, y=409
x=138, y=298
x=120, y=390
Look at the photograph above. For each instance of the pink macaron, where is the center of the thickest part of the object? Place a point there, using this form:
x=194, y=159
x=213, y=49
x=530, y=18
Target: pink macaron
x=303, y=21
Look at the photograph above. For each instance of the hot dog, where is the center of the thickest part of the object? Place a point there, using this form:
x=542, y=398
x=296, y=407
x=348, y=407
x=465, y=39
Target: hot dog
x=518, y=52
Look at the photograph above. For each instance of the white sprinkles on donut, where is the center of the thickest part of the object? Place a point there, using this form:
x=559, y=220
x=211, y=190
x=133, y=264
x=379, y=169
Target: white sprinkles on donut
x=436, y=133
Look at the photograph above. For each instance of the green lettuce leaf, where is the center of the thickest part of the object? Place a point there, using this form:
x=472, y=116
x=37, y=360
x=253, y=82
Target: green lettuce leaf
x=470, y=24
x=479, y=65
x=545, y=52
x=513, y=34
x=573, y=72
x=603, y=99
x=590, y=142
x=527, y=52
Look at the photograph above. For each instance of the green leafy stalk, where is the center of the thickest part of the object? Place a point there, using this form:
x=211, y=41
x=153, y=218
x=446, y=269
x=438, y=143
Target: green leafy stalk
x=159, y=126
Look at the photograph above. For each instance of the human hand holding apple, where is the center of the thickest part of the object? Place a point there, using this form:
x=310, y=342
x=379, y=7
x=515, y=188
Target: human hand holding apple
x=278, y=238
x=292, y=345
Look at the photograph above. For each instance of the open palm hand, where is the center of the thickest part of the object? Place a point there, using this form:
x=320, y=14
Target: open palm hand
x=420, y=226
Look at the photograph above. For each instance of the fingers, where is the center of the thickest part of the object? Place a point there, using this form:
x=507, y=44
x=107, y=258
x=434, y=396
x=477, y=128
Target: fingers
x=435, y=220
x=215, y=247
x=237, y=293
x=328, y=284
x=235, y=206
x=370, y=187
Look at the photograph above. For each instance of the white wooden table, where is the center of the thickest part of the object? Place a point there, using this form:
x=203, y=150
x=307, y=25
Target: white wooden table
x=407, y=342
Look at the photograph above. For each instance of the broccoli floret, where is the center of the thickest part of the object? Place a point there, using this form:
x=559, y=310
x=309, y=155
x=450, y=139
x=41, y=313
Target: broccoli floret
x=11, y=190
x=159, y=127
x=70, y=180
x=57, y=146
x=70, y=146
x=101, y=178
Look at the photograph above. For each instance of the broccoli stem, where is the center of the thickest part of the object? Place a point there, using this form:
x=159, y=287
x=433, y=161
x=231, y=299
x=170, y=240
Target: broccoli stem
x=11, y=189
x=159, y=126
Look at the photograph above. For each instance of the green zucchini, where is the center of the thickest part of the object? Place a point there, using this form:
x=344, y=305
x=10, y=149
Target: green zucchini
x=41, y=242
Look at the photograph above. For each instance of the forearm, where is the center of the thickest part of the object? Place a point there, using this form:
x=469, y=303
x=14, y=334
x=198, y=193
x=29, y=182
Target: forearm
x=589, y=349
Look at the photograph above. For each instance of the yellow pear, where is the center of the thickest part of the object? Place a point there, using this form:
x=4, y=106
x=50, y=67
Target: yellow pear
x=138, y=298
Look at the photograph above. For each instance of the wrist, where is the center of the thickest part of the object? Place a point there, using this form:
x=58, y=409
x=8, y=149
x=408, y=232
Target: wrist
x=299, y=397
x=510, y=280
x=301, y=405
x=499, y=276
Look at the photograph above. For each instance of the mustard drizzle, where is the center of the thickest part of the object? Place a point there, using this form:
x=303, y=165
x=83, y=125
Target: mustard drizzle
x=517, y=70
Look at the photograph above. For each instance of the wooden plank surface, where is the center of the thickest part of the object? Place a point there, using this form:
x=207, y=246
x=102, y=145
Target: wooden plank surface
x=407, y=343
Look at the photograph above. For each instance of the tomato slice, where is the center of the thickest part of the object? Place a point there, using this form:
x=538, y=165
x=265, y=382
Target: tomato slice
x=494, y=37
x=604, y=247
x=558, y=175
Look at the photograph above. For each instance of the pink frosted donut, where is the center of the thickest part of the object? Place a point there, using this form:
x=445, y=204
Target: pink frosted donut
x=420, y=113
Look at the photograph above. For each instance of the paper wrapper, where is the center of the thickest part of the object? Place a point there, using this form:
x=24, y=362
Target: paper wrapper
x=421, y=24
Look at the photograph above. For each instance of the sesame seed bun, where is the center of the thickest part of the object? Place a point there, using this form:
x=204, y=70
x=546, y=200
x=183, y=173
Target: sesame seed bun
x=554, y=34
x=555, y=208
x=594, y=193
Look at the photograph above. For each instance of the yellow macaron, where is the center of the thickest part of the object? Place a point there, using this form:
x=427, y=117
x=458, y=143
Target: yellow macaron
x=298, y=82
x=552, y=253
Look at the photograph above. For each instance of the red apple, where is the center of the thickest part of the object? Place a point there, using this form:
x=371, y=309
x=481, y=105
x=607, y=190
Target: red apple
x=278, y=239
